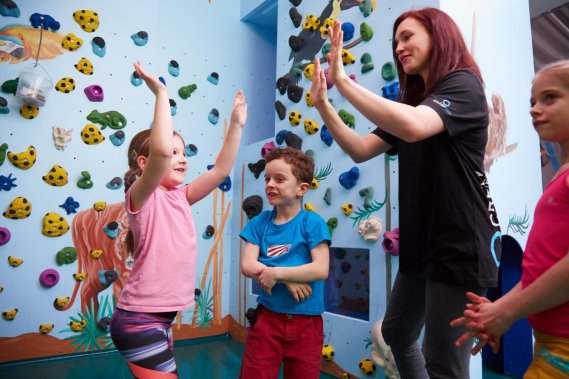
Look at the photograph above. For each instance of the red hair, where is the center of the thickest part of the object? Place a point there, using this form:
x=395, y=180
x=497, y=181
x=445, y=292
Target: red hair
x=448, y=53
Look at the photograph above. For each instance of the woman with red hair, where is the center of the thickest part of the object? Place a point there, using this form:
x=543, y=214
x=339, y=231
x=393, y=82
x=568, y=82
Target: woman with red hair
x=449, y=230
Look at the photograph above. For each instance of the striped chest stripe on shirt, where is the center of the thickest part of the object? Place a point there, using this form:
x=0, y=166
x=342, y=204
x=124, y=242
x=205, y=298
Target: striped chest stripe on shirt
x=276, y=250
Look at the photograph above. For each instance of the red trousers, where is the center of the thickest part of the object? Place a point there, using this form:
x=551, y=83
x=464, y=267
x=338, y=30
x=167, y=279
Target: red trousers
x=295, y=340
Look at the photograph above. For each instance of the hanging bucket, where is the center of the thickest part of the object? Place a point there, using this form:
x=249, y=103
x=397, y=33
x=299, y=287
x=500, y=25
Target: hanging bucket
x=34, y=85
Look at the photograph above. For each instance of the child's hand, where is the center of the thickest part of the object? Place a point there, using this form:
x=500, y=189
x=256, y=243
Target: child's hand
x=300, y=291
x=151, y=81
x=239, y=112
x=267, y=279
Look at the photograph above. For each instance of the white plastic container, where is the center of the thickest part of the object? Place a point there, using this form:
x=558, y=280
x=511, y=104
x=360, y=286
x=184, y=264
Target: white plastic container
x=34, y=85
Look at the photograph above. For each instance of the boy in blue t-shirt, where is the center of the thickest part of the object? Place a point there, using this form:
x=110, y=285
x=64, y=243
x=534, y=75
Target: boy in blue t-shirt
x=287, y=254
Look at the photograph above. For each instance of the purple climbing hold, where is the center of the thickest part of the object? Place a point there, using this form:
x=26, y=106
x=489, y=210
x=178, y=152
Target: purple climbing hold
x=5, y=235
x=267, y=148
x=94, y=93
x=49, y=277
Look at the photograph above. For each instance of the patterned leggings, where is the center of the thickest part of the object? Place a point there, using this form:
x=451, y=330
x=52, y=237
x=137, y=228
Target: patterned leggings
x=145, y=339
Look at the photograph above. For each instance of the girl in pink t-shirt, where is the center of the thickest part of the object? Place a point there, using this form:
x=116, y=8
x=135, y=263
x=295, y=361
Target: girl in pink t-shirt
x=542, y=294
x=162, y=237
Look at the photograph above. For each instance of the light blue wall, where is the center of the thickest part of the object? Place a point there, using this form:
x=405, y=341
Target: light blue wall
x=514, y=177
x=203, y=37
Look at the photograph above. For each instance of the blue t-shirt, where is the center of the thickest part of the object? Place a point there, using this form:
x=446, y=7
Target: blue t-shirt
x=288, y=245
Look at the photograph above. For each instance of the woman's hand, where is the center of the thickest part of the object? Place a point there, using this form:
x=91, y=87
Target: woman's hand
x=318, y=90
x=151, y=81
x=336, y=72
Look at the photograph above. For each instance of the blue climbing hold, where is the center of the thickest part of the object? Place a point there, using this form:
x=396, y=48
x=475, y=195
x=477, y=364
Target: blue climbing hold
x=326, y=136
x=348, y=29
x=281, y=136
x=7, y=182
x=213, y=78
x=117, y=138
x=349, y=178
x=99, y=47
x=391, y=91
x=70, y=205
x=191, y=150
x=174, y=68
x=140, y=38
x=213, y=116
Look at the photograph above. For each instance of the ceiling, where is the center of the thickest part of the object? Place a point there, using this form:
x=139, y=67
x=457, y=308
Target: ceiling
x=550, y=31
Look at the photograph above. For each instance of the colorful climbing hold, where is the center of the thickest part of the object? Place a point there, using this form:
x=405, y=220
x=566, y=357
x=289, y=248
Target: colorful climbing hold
x=140, y=38
x=85, y=182
x=174, y=68
x=70, y=205
x=112, y=119
x=98, y=46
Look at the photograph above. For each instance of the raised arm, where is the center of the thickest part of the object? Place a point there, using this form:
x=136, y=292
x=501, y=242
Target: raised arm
x=207, y=182
x=359, y=148
x=406, y=122
x=161, y=142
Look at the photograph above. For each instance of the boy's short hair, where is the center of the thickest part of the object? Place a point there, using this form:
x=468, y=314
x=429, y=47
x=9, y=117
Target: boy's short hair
x=301, y=165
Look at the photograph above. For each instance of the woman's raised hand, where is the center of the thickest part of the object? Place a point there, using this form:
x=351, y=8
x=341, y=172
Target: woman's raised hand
x=336, y=71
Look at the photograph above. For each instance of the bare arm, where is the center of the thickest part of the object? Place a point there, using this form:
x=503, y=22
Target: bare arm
x=207, y=182
x=406, y=122
x=161, y=143
x=250, y=265
x=491, y=320
x=315, y=270
x=359, y=148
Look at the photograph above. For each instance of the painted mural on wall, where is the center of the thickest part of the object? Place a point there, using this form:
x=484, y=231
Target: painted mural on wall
x=85, y=234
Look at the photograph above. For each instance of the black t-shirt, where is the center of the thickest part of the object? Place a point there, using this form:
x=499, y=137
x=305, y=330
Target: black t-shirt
x=449, y=229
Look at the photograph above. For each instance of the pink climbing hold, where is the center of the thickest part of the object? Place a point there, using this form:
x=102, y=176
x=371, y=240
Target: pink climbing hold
x=94, y=93
x=49, y=277
x=5, y=235
x=391, y=242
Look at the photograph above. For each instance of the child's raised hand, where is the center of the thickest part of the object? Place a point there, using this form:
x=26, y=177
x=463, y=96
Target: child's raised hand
x=151, y=81
x=239, y=112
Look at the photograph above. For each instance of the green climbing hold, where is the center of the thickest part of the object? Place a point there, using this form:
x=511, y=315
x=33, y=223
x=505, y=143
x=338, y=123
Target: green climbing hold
x=388, y=71
x=85, y=182
x=187, y=91
x=365, y=7
x=348, y=118
x=328, y=196
x=366, y=31
x=298, y=69
x=367, y=64
x=112, y=119
x=66, y=255
x=3, y=149
x=10, y=86
x=326, y=49
x=332, y=224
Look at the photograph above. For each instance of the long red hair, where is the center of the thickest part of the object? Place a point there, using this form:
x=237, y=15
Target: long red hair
x=448, y=53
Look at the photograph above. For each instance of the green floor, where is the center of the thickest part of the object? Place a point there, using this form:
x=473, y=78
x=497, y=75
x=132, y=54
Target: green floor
x=212, y=358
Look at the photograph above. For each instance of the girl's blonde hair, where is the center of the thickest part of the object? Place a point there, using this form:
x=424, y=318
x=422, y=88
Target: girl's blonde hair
x=559, y=68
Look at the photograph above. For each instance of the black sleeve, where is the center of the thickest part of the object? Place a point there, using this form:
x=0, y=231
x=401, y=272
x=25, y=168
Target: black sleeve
x=389, y=138
x=460, y=101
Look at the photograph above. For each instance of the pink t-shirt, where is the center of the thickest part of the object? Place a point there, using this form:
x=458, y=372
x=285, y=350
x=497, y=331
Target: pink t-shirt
x=548, y=242
x=163, y=276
